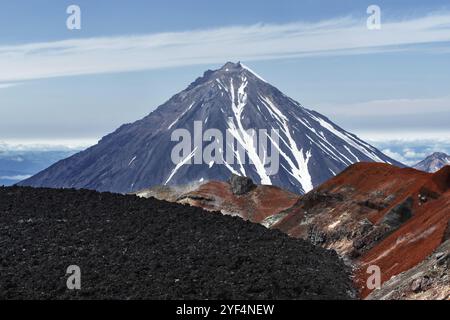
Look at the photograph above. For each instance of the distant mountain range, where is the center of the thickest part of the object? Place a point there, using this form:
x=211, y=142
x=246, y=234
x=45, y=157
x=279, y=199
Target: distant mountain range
x=433, y=163
x=234, y=122
x=17, y=165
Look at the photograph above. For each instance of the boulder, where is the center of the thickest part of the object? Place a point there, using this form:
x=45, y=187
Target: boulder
x=399, y=214
x=241, y=185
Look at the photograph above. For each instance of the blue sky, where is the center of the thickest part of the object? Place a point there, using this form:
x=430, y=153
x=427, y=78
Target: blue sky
x=61, y=86
x=42, y=20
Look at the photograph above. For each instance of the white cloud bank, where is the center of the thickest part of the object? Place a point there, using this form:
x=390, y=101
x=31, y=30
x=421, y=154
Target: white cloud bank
x=45, y=145
x=410, y=150
x=255, y=42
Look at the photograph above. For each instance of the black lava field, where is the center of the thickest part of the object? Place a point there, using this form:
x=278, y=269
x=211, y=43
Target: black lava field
x=132, y=248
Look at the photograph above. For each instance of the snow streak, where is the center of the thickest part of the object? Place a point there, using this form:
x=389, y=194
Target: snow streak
x=298, y=170
x=237, y=130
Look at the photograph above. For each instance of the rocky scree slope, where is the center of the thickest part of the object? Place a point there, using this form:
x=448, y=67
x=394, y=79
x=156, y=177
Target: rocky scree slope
x=429, y=280
x=133, y=248
x=371, y=214
x=376, y=214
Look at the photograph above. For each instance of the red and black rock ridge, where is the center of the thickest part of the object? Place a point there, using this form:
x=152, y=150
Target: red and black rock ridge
x=371, y=214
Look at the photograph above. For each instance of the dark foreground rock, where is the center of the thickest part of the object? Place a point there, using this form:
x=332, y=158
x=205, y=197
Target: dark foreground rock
x=241, y=185
x=132, y=248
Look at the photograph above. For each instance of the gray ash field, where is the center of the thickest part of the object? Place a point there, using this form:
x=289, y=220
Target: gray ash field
x=132, y=248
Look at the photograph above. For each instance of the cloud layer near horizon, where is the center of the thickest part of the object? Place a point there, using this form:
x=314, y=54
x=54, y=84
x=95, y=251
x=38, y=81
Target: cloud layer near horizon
x=255, y=42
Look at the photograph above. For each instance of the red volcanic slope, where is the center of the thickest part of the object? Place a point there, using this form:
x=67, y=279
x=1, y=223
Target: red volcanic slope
x=346, y=214
x=256, y=205
x=368, y=192
x=367, y=178
x=418, y=237
x=358, y=183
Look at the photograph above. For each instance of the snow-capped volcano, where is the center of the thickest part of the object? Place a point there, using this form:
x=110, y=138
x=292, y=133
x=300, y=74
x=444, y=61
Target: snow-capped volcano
x=433, y=162
x=228, y=121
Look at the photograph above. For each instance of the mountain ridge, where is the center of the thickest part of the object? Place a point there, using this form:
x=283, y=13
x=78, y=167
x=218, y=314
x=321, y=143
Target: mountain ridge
x=301, y=147
x=433, y=162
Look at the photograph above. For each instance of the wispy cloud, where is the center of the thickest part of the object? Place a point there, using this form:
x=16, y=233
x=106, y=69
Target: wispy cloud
x=256, y=42
x=15, y=178
x=8, y=85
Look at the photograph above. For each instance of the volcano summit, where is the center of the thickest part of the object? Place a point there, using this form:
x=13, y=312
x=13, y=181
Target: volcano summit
x=263, y=127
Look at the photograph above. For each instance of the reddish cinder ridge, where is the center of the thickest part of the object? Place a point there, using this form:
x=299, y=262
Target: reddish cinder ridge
x=356, y=202
x=418, y=238
x=371, y=214
x=255, y=206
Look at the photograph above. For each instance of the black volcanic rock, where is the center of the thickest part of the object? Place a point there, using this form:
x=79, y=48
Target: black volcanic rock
x=399, y=214
x=133, y=248
x=241, y=185
x=232, y=100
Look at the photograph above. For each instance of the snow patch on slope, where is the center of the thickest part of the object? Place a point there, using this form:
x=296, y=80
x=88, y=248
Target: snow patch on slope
x=132, y=160
x=176, y=120
x=253, y=72
x=179, y=165
x=357, y=144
